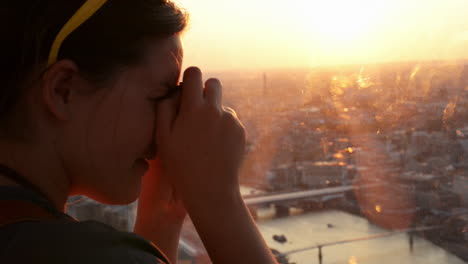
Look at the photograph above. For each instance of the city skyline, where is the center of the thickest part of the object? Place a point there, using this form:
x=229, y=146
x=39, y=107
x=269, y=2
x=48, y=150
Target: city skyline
x=262, y=34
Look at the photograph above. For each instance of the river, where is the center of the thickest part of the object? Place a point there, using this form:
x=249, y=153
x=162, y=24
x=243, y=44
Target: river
x=309, y=229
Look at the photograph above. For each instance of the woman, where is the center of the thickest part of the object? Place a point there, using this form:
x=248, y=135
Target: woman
x=89, y=99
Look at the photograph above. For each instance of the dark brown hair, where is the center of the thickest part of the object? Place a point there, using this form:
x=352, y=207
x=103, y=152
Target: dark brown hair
x=113, y=37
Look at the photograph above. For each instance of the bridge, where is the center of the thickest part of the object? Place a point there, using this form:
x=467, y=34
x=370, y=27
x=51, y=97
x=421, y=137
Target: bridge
x=283, y=197
x=193, y=246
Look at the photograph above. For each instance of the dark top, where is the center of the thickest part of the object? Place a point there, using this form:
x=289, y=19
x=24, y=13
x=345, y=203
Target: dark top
x=65, y=241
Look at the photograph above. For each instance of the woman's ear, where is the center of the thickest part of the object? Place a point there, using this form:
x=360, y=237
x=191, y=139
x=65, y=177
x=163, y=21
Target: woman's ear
x=59, y=86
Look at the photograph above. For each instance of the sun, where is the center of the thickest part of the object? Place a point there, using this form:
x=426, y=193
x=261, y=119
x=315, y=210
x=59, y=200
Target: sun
x=341, y=20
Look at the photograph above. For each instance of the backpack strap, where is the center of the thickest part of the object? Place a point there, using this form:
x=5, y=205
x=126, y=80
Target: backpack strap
x=15, y=211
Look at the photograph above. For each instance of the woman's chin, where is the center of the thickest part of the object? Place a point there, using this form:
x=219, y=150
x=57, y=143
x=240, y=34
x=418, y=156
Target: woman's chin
x=120, y=189
x=126, y=196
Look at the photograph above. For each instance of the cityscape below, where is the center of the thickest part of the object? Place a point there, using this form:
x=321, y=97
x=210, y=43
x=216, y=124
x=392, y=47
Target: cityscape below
x=350, y=164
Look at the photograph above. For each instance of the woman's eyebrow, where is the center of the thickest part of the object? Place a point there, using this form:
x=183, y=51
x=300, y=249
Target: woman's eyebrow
x=177, y=63
x=173, y=77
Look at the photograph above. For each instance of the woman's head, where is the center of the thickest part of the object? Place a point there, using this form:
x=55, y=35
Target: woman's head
x=93, y=105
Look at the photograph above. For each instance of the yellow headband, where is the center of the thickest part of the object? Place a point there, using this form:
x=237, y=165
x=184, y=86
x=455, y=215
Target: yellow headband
x=84, y=13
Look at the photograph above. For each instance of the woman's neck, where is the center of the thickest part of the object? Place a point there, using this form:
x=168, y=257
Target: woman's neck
x=38, y=165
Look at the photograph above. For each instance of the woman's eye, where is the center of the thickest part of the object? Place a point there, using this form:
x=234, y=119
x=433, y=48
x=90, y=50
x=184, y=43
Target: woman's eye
x=170, y=92
x=162, y=97
x=157, y=99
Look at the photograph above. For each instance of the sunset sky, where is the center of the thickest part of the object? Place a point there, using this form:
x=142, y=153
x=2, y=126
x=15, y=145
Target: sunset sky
x=263, y=34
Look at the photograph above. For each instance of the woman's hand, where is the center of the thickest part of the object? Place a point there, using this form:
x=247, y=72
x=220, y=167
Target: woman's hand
x=160, y=211
x=164, y=199
x=202, y=146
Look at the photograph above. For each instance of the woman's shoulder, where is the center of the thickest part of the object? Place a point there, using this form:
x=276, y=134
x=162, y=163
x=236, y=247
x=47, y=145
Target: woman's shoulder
x=65, y=241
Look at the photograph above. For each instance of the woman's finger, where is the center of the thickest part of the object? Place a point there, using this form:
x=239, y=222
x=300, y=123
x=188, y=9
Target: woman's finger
x=213, y=92
x=230, y=110
x=166, y=114
x=192, y=90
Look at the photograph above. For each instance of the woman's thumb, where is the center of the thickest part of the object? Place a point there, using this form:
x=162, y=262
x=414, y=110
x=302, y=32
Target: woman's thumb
x=165, y=117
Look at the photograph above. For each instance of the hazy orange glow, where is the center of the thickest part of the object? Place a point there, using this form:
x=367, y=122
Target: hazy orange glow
x=378, y=208
x=352, y=260
x=338, y=20
x=252, y=34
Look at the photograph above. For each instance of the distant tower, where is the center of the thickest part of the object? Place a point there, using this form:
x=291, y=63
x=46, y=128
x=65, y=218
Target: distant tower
x=463, y=81
x=264, y=84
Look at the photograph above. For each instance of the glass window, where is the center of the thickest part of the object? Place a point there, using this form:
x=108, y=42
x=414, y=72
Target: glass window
x=356, y=115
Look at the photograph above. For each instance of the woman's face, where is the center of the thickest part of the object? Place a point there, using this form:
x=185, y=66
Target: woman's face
x=107, y=146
